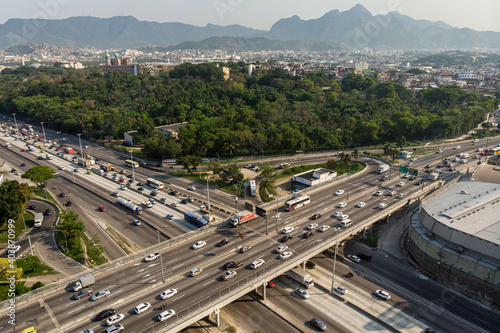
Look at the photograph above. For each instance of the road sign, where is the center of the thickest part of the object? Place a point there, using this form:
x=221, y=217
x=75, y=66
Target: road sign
x=260, y=211
x=413, y=172
x=403, y=169
x=248, y=206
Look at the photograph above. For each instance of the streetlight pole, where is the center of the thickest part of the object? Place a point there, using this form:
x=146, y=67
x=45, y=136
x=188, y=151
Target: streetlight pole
x=132, y=165
x=277, y=214
x=335, y=260
x=80, y=140
x=236, y=198
x=15, y=121
x=73, y=176
x=43, y=130
x=161, y=262
x=208, y=196
x=348, y=181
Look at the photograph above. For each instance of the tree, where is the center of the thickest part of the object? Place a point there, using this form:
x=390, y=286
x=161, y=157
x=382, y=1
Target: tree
x=6, y=270
x=40, y=175
x=13, y=198
x=331, y=164
x=188, y=160
x=355, y=153
x=267, y=171
x=394, y=153
x=401, y=142
x=233, y=173
x=387, y=149
x=345, y=158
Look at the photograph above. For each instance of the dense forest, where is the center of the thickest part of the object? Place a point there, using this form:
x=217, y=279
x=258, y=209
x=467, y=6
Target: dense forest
x=268, y=112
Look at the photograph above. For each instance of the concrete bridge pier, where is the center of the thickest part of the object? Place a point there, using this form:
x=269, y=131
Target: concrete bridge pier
x=217, y=317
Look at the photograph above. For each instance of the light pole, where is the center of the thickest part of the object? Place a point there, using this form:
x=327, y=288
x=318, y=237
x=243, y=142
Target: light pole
x=65, y=240
x=73, y=176
x=348, y=181
x=43, y=130
x=80, y=140
x=277, y=214
x=132, y=165
x=15, y=121
x=335, y=260
x=208, y=196
x=161, y=262
x=236, y=198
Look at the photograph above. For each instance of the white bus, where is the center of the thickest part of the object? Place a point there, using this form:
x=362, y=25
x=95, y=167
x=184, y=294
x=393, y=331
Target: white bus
x=155, y=184
x=297, y=202
x=131, y=163
x=253, y=188
x=38, y=220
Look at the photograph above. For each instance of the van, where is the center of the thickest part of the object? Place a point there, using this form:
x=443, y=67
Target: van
x=382, y=206
x=345, y=223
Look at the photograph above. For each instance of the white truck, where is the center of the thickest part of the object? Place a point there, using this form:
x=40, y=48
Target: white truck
x=49, y=156
x=243, y=217
x=383, y=169
x=301, y=276
x=83, y=282
x=433, y=176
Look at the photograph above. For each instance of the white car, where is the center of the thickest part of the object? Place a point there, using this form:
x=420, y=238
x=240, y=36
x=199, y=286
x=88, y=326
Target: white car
x=174, y=204
x=199, y=244
x=379, y=193
x=152, y=256
x=281, y=248
x=463, y=160
x=302, y=293
x=360, y=204
x=413, y=159
x=382, y=205
x=62, y=168
x=153, y=201
x=100, y=294
x=115, y=328
x=401, y=184
x=288, y=230
x=343, y=217
x=340, y=290
x=192, y=188
x=457, y=147
x=354, y=258
x=257, y=263
x=339, y=192
x=341, y=205
x=169, y=216
x=479, y=149
x=286, y=255
x=391, y=193
x=401, y=195
x=195, y=271
x=383, y=294
x=312, y=226
x=116, y=194
x=439, y=151
x=166, y=315
x=142, y=307
x=114, y=319
x=324, y=228
x=337, y=214
x=229, y=275
x=168, y=293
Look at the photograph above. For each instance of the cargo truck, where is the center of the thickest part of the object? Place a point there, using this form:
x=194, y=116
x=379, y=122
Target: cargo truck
x=242, y=217
x=83, y=282
x=38, y=220
x=49, y=156
x=107, y=167
x=301, y=276
x=69, y=150
x=433, y=176
x=129, y=205
x=85, y=162
x=383, y=169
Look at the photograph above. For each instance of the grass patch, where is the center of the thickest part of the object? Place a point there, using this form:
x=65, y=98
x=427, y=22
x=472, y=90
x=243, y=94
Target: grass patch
x=32, y=266
x=94, y=251
x=18, y=227
x=230, y=329
x=45, y=195
x=124, y=244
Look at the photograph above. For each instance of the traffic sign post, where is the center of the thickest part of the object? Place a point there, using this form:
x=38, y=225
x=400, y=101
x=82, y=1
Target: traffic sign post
x=413, y=172
x=403, y=169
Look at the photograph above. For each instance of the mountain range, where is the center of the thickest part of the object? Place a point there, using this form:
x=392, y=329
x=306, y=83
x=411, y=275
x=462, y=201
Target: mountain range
x=356, y=28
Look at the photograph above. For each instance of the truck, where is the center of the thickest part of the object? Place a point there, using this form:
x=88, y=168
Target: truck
x=7, y=145
x=383, y=169
x=433, y=176
x=205, y=209
x=284, y=165
x=85, y=162
x=129, y=205
x=49, y=156
x=301, y=276
x=464, y=155
x=107, y=167
x=69, y=150
x=242, y=217
x=83, y=282
x=38, y=220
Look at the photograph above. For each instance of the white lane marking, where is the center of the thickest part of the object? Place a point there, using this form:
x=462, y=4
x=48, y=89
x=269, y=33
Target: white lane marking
x=208, y=283
x=81, y=307
x=152, y=281
x=171, y=261
x=180, y=265
x=116, y=292
x=180, y=296
x=136, y=264
x=140, y=270
x=145, y=276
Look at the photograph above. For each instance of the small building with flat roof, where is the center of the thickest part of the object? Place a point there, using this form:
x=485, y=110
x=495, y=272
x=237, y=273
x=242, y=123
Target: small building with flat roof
x=315, y=177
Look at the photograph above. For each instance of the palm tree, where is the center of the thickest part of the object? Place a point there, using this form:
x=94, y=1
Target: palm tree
x=387, y=149
x=345, y=158
x=355, y=153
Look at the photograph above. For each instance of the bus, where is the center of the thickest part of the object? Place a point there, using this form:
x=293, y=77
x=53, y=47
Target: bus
x=155, y=184
x=131, y=164
x=38, y=220
x=297, y=202
x=253, y=188
x=195, y=220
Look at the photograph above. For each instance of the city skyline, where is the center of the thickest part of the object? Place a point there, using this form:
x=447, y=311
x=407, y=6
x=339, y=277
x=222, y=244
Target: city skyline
x=257, y=14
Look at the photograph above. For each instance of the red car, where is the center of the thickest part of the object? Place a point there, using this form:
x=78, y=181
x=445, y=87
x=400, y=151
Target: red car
x=122, y=180
x=102, y=208
x=24, y=150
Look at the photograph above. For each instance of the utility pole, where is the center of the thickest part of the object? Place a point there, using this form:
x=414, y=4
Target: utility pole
x=43, y=130
x=132, y=165
x=335, y=260
x=80, y=140
x=348, y=181
x=277, y=214
x=161, y=262
x=15, y=121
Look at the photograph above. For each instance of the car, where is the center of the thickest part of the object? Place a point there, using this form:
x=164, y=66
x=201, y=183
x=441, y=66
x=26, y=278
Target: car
x=174, y=204
x=189, y=199
x=324, y=228
x=308, y=234
x=153, y=201
x=413, y=159
x=104, y=314
x=286, y=255
x=337, y=214
x=228, y=275
x=87, y=331
x=312, y=226
x=400, y=196
x=383, y=294
x=168, y=293
x=430, y=330
x=343, y=217
x=169, y=217
x=412, y=178
x=379, y=193
x=185, y=201
x=340, y=290
x=162, y=200
x=360, y=204
x=354, y=258
x=383, y=178
x=286, y=238
x=318, y=324
x=23, y=164
x=257, y=263
x=115, y=328
x=136, y=222
x=245, y=249
x=310, y=264
x=457, y=147
x=142, y=307
x=382, y=205
x=102, y=208
x=428, y=171
x=302, y=293
x=76, y=170
x=391, y=193
x=68, y=203
x=62, y=195
x=195, y=271
x=100, y=294
x=428, y=166
x=173, y=192
x=232, y=264
x=152, y=256
x=82, y=293
x=59, y=133
x=281, y=248
x=315, y=216
x=479, y=149
x=339, y=192
x=365, y=257
x=223, y=242
x=463, y=160
x=271, y=284
x=191, y=188
x=418, y=183
x=295, y=191
x=401, y=184
x=115, y=319
x=140, y=189
x=48, y=212
x=342, y=205
x=166, y=315
x=288, y=230
x=123, y=187
x=199, y=244
x=116, y=194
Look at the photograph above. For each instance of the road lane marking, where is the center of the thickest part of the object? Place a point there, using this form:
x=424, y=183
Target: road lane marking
x=152, y=281
x=171, y=261
x=81, y=307
x=145, y=276
x=180, y=265
x=116, y=292
x=136, y=264
x=140, y=270
x=208, y=283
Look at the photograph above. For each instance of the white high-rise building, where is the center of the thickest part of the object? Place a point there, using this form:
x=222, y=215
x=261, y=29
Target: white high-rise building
x=467, y=74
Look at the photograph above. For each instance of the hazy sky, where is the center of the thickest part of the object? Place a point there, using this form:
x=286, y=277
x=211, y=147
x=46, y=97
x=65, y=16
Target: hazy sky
x=260, y=14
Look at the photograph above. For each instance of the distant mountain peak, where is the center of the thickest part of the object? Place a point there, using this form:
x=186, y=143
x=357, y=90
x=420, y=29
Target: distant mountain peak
x=359, y=10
